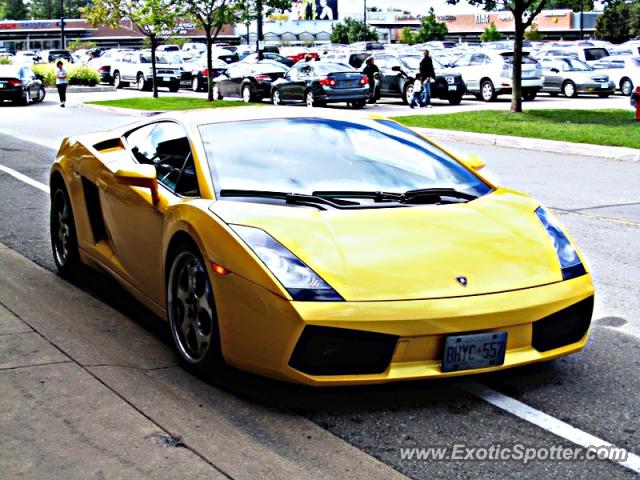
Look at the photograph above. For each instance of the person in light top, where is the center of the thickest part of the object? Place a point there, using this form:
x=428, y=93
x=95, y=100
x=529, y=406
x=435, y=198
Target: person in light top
x=61, y=83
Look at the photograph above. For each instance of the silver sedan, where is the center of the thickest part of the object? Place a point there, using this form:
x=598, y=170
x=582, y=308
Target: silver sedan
x=571, y=77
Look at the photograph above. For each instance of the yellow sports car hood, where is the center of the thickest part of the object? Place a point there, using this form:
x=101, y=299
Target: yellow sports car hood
x=495, y=242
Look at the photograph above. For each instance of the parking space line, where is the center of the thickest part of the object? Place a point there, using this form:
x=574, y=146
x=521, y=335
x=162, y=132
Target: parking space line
x=24, y=178
x=545, y=421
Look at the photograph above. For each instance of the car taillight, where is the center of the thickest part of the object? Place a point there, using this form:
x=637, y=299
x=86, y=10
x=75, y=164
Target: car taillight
x=262, y=77
x=328, y=82
x=364, y=80
x=104, y=69
x=204, y=72
x=15, y=83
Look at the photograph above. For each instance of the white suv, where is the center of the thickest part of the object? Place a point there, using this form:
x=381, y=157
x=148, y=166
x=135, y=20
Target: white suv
x=488, y=74
x=623, y=70
x=135, y=67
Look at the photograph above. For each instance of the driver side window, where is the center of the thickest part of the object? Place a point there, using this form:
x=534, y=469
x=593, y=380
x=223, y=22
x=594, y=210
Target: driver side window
x=165, y=146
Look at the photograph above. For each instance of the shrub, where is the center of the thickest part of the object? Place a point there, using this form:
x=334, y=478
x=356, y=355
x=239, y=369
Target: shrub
x=5, y=61
x=81, y=75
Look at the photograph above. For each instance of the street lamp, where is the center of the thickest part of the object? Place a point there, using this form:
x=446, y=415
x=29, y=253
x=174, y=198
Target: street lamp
x=581, y=15
x=364, y=34
x=62, y=42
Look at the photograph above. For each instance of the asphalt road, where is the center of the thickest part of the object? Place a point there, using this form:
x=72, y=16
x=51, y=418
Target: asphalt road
x=595, y=391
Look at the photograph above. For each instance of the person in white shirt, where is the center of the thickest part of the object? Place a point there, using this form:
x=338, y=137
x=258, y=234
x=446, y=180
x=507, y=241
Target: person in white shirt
x=61, y=83
x=416, y=99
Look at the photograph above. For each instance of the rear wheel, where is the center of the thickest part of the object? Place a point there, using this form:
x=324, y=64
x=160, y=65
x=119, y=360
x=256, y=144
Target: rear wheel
x=63, y=231
x=141, y=84
x=174, y=87
x=626, y=87
x=554, y=94
x=487, y=91
x=195, y=84
x=407, y=96
x=117, y=81
x=216, y=92
x=311, y=100
x=358, y=104
x=246, y=94
x=529, y=95
x=191, y=310
x=604, y=95
x=569, y=89
x=41, y=94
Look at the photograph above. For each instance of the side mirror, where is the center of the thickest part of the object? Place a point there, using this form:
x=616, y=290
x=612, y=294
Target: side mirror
x=143, y=176
x=396, y=68
x=472, y=161
x=555, y=70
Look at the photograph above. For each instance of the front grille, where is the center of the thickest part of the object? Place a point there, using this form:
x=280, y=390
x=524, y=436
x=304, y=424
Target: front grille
x=599, y=79
x=564, y=327
x=338, y=351
x=165, y=71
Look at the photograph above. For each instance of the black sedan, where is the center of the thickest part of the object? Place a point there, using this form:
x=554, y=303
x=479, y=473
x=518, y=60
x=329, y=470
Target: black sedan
x=398, y=72
x=319, y=83
x=249, y=81
x=276, y=57
x=20, y=85
x=194, y=73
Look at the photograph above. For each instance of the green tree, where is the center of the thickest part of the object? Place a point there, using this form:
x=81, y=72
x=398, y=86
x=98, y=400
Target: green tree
x=408, y=36
x=16, y=10
x=79, y=44
x=533, y=34
x=155, y=19
x=614, y=24
x=351, y=30
x=634, y=19
x=491, y=34
x=3, y=9
x=431, y=29
x=524, y=13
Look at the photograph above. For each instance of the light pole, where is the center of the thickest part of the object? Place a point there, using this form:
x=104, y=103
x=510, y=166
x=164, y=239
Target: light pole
x=581, y=15
x=259, y=44
x=364, y=34
x=62, y=42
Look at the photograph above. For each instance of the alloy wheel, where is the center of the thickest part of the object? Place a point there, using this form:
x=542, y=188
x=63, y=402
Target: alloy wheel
x=627, y=87
x=61, y=228
x=140, y=82
x=408, y=94
x=569, y=90
x=246, y=94
x=275, y=97
x=116, y=80
x=191, y=314
x=195, y=84
x=310, y=99
x=488, y=92
x=216, y=92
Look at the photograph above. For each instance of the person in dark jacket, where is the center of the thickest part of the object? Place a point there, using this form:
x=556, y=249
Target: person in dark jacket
x=428, y=74
x=371, y=70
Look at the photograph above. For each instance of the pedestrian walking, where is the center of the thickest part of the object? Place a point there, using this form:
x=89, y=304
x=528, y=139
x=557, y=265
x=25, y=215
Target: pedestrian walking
x=416, y=99
x=372, y=71
x=428, y=75
x=61, y=83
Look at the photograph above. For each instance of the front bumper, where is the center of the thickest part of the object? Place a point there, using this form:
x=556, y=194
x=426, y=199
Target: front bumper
x=595, y=88
x=260, y=330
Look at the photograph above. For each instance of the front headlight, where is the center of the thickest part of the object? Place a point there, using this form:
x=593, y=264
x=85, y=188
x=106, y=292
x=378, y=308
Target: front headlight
x=570, y=262
x=301, y=282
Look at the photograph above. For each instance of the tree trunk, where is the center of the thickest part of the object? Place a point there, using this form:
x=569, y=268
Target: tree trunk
x=207, y=31
x=516, y=80
x=154, y=44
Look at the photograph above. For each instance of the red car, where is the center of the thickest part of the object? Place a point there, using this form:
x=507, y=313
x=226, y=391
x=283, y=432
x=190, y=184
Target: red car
x=298, y=53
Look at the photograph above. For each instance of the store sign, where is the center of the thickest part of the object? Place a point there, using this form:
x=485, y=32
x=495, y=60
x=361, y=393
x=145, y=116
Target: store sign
x=482, y=18
x=555, y=14
x=505, y=17
x=446, y=18
x=28, y=25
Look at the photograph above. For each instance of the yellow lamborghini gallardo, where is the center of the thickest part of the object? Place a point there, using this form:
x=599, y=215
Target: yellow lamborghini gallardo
x=319, y=249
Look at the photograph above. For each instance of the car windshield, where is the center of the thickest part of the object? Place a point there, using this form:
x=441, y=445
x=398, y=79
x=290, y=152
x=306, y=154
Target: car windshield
x=573, y=65
x=412, y=62
x=526, y=59
x=636, y=61
x=372, y=155
x=326, y=68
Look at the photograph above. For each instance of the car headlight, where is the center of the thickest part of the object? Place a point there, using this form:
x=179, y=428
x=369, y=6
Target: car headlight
x=301, y=282
x=570, y=262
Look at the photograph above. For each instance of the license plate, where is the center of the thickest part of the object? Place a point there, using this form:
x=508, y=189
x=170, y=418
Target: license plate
x=3, y=84
x=468, y=352
x=452, y=88
x=604, y=85
x=166, y=79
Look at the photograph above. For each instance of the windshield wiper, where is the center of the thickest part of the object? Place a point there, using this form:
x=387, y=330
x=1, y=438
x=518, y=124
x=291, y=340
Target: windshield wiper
x=375, y=196
x=436, y=193
x=290, y=198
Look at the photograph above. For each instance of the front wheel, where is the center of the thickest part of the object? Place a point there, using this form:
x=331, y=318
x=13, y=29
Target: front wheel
x=216, y=92
x=455, y=100
x=174, y=87
x=529, y=95
x=191, y=310
x=604, y=95
x=63, y=232
x=246, y=94
x=275, y=97
x=195, y=84
x=408, y=94
x=40, y=96
x=141, y=84
x=626, y=87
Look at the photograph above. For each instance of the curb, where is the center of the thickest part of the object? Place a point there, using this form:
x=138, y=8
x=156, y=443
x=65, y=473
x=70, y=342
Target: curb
x=623, y=154
x=130, y=112
x=79, y=89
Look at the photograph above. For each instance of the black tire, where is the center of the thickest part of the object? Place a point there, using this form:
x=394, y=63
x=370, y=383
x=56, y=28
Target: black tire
x=604, y=95
x=529, y=95
x=191, y=310
x=195, y=84
x=174, y=87
x=41, y=94
x=311, y=100
x=275, y=97
x=64, y=241
x=358, y=104
x=487, y=91
x=141, y=84
x=216, y=92
x=455, y=100
x=569, y=89
x=117, y=80
x=554, y=94
x=626, y=86
x=407, y=93
x=246, y=94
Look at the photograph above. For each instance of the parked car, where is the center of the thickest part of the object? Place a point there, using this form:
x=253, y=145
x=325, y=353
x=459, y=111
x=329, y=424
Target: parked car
x=49, y=56
x=194, y=73
x=194, y=47
x=276, y=57
x=105, y=61
x=398, y=72
x=368, y=46
x=572, y=77
x=354, y=59
x=298, y=53
x=20, y=85
x=623, y=70
x=319, y=83
x=168, y=48
x=488, y=74
x=135, y=67
x=27, y=56
x=249, y=81
x=587, y=53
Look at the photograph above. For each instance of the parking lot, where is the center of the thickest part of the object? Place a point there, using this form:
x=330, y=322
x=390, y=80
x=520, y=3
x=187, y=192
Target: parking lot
x=87, y=369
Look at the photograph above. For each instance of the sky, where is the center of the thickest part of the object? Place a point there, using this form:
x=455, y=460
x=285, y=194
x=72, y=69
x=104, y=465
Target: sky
x=414, y=6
